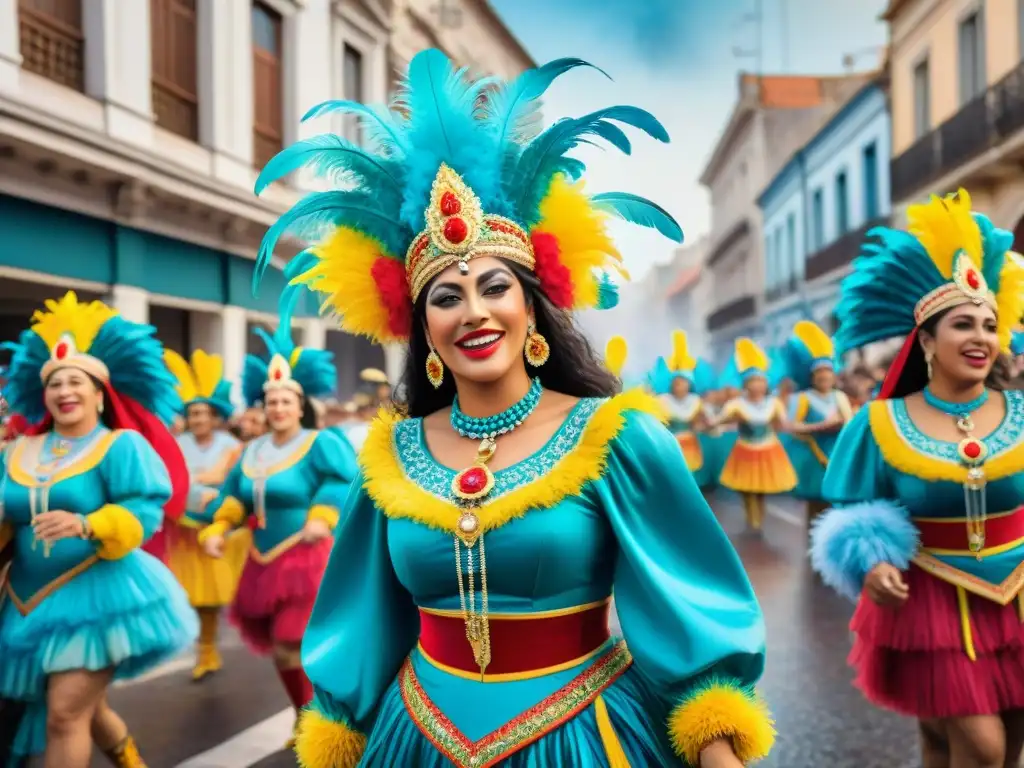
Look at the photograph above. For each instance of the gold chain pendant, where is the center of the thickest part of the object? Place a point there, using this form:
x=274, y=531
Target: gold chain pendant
x=972, y=454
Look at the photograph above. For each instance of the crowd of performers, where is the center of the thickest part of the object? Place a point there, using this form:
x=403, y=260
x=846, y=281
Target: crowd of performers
x=433, y=588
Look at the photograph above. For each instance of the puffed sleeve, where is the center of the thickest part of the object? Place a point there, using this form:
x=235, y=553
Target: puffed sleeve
x=866, y=525
x=687, y=610
x=227, y=511
x=363, y=626
x=334, y=462
x=138, y=487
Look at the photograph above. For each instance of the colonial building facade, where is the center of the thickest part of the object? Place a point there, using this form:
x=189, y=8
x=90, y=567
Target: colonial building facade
x=131, y=134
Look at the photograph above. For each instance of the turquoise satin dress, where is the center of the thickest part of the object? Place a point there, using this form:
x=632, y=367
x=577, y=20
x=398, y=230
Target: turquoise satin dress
x=608, y=505
x=882, y=455
x=76, y=605
x=810, y=453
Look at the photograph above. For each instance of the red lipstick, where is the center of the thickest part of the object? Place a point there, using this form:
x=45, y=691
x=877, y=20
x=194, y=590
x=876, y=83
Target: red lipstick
x=480, y=344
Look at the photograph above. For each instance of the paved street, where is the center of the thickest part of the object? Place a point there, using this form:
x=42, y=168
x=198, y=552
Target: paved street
x=240, y=718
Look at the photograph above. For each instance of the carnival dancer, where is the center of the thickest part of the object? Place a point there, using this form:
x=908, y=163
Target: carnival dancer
x=819, y=411
x=292, y=482
x=83, y=605
x=453, y=627
x=211, y=451
x=757, y=465
x=927, y=483
x=674, y=382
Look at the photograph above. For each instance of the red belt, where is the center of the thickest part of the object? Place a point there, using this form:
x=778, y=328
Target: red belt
x=520, y=643
x=952, y=534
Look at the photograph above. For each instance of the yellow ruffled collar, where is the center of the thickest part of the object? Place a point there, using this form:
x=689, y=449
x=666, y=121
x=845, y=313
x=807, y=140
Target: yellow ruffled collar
x=390, y=482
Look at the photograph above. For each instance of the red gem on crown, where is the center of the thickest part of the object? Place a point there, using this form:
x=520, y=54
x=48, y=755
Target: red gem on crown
x=972, y=279
x=61, y=350
x=455, y=230
x=972, y=450
x=473, y=480
x=450, y=204
x=278, y=375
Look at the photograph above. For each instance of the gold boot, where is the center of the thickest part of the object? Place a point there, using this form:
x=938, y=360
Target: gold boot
x=208, y=658
x=126, y=754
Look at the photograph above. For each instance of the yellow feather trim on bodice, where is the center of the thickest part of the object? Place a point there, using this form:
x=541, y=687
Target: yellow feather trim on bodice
x=399, y=497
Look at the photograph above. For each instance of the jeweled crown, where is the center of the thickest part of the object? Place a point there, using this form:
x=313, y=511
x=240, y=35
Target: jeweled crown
x=458, y=230
x=968, y=285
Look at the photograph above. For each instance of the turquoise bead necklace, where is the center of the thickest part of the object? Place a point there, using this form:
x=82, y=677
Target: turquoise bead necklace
x=955, y=409
x=480, y=428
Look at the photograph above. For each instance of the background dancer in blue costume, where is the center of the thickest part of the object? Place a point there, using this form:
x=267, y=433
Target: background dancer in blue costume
x=292, y=482
x=463, y=618
x=83, y=605
x=818, y=412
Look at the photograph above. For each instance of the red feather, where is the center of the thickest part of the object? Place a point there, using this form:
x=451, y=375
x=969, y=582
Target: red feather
x=555, y=278
x=389, y=275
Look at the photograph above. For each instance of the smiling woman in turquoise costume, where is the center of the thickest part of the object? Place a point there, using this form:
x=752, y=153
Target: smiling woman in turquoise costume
x=819, y=410
x=292, y=483
x=464, y=614
x=81, y=493
x=928, y=486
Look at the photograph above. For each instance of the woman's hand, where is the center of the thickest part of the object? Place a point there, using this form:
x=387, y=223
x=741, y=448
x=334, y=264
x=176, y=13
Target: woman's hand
x=885, y=586
x=719, y=754
x=315, y=530
x=214, y=546
x=56, y=525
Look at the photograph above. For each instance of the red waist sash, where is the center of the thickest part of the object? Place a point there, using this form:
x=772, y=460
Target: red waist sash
x=1000, y=529
x=519, y=643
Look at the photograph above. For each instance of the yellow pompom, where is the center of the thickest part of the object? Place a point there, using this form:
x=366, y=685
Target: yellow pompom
x=323, y=743
x=722, y=711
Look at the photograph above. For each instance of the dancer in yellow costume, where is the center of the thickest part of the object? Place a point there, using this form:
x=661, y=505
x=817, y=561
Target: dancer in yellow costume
x=210, y=452
x=757, y=465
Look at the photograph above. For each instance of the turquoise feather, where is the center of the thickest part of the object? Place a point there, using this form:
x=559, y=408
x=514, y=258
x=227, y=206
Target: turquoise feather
x=380, y=126
x=607, y=292
x=339, y=159
x=639, y=210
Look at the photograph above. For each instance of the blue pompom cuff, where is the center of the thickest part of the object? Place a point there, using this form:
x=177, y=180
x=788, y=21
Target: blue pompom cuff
x=847, y=542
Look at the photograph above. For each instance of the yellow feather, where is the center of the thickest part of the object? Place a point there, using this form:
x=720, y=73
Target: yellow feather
x=323, y=743
x=208, y=371
x=1010, y=299
x=176, y=364
x=344, y=273
x=945, y=226
x=681, y=360
x=615, y=353
x=749, y=355
x=82, y=321
x=722, y=712
x=816, y=340
x=584, y=246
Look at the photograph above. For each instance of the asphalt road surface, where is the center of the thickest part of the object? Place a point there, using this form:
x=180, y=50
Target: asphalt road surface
x=241, y=718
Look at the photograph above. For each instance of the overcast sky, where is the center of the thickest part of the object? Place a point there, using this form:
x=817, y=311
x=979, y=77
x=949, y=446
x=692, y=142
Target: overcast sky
x=677, y=58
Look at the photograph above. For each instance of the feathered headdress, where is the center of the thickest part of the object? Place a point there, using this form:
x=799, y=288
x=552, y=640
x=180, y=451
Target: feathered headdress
x=286, y=365
x=615, y=353
x=1017, y=343
x=750, y=359
x=202, y=381
x=93, y=338
x=459, y=171
x=948, y=256
x=807, y=350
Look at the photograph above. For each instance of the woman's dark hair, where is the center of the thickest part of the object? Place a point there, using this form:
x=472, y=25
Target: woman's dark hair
x=573, y=368
x=915, y=370
x=107, y=416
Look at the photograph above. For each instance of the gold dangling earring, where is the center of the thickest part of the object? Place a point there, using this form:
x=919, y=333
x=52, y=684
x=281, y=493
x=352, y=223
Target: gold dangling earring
x=928, y=362
x=435, y=368
x=537, y=349
x=99, y=408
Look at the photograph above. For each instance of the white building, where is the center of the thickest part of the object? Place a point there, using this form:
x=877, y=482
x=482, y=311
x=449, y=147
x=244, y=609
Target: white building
x=131, y=132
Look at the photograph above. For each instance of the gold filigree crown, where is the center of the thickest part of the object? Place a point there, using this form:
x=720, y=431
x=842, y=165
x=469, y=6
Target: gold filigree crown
x=458, y=230
x=968, y=285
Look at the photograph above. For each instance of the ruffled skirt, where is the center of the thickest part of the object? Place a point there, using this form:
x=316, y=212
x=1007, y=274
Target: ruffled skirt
x=274, y=600
x=912, y=659
x=210, y=582
x=637, y=718
x=762, y=468
x=128, y=614
x=693, y=451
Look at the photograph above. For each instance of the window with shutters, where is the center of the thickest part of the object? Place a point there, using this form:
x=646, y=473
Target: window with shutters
x=352, y=86
x=51, y=40
x=175, y=98
x=268, y=118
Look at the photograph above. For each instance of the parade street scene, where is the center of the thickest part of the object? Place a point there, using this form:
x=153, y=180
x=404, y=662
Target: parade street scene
x=511, y=383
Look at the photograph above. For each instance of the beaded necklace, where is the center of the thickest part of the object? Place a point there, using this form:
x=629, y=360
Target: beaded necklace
x=972, y=453
x=470, y=487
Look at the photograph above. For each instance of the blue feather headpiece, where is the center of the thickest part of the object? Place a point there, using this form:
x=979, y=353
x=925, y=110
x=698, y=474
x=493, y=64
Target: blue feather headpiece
x=948, y=256
x=201, y=381
x=285, y=365
x=456, y=169
x=1017, y=343
x=92, y=337
x=809, y=349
